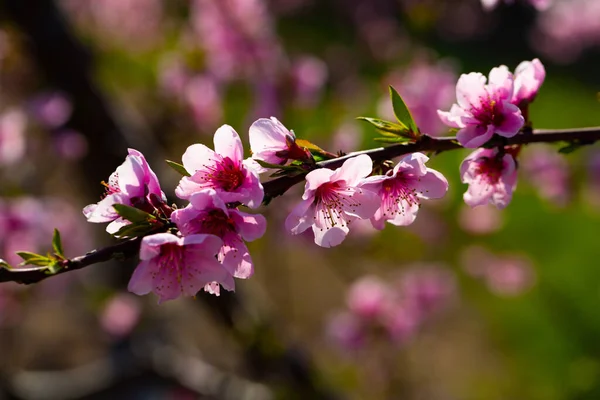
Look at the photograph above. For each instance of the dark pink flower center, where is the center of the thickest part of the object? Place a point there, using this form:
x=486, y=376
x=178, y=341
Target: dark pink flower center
x=398, y=192
x=489, y=113
x=112, y=186
x=332, y=200
x=490, y=168
x=226, y=175
x=216, y=222
x=171, y=260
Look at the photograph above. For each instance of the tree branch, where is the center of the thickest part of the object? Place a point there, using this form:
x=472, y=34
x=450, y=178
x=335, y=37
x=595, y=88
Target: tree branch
x=279, y=186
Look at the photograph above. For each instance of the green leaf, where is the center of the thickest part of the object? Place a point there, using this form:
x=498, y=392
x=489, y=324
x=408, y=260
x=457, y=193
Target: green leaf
x=53, y=268
x=308, y=145
x=177, y=167
x=402, y=112
x=386, y=128
x=393, y=140
x=5, y=265
x=133, y=214
x=134, y=230
x=57, y=244
x=570, y=148
x=34, y=259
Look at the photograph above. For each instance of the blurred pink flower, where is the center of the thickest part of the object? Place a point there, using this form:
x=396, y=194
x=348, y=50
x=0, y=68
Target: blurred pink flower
x=484, y=110
x=428, y=288
x=346, y=138
x=548, y=172
x=120, y=315
x=51, y=109
x=480, y=220
x=208, y=214
x=425, y=88
x=202, y=95
x=223, y=170
x=504, y=275
x=567, y=29
x=346, y=330
x=309, y=75
x=12, y=136
x=367, y=297
x=172, y=266
x=402, y=189
x=492, y=177
x=332, y=200
x=70, y=144
x=541, y=5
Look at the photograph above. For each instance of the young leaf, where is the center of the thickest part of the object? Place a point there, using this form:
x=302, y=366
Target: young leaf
x=309, y=145
x=134, y=230
x=33, y=259
x=387, y=128
x=402, y=112
x=133, y=214
x=265, y=164
x=5, y=265
x=57, y=244
x=53, y=268
x=177, y=167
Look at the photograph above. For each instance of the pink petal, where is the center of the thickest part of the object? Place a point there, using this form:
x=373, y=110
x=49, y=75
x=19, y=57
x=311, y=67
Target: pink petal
x=501, y=83
x=432, y=185
x=301, y=217
x=478, y=193
x=365, y=203
x=406, y=215
x=452, y=118
x=353, y=170
x=236, y=257
x=150, y=177
x=415, y=162
x=249, y=226
x=314, y=179
x=150, y=246
x=268, y=135
x=474, y=136
x=207, y=198
x=228, y=144
x=117, y=224
x=254, y=191
x=141, y=279
x=330, y=237
x=131, y=177
x=211, y=244
x=167, y=284
x=103, y=211
x=513, y=121
x=197, y=157
x=187, y=187
x=470, y=89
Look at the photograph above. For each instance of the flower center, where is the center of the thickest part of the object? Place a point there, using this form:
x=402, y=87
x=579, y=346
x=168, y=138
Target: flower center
x=332, y=200
x=172, y=259
x=226, y=175
x=489, y=113
x=216, y=222
x=490, y=168
x=398, y=193
x=112, y=186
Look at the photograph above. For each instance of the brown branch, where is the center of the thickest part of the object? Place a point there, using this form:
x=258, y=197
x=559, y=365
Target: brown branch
x=125, y=249
x=279, y=186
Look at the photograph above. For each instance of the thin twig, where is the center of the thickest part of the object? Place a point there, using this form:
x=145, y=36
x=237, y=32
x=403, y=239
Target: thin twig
x=279, y=186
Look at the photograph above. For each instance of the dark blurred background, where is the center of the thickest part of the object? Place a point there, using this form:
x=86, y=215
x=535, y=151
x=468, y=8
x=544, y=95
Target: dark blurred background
x=506, y=301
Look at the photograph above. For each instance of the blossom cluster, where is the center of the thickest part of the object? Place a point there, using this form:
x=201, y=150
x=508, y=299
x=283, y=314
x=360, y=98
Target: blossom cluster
x=207, y=250
x=395, y=310
x=203, y=245
x=482, y=111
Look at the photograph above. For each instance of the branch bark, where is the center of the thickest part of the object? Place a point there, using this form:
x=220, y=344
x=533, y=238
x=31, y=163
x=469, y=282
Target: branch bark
x=279, y=186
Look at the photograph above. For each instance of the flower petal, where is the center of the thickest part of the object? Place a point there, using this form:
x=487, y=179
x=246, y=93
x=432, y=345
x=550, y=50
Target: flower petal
x=301, y=217
x=228, y=144
x=197, y=157
x=432, y=185
x=353, y=170
x=249, y=226
x=474, y=136
x=330, y=237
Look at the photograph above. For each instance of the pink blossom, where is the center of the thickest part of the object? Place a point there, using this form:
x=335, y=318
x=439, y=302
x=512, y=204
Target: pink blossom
x=223, y=170
x=208, y=214
x=174, y=266
x=484, y=110
x=120, y=315
x=367, y=297
x=347, y=331
x=309, y=74
x=538, y=4
x=548, y=171
x=130, y=184
x=402, y=189
x=492, y=177
x=332, y=200
x=51, y=109
x=273, y=143
x=428, y=288
x=12, y=136
x=480, y=220
x=529, y=76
